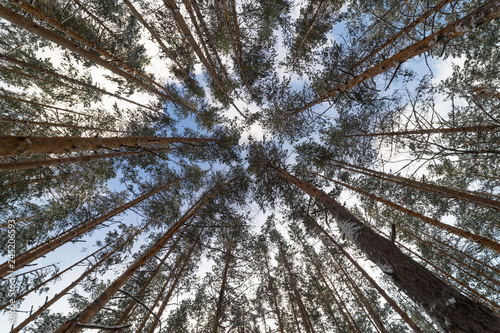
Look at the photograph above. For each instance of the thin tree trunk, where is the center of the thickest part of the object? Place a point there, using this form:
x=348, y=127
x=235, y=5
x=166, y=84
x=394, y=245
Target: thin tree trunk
x=49, y=124
x=64, y=292
x=61, y=79
x=483, y=241
x=90, y=311
x=302, y=309
x=156, y=37
x=30, y=26
x=131, y=307
x=76, y=232
x=68, y=160
x=480, y=16
x=450, y=309
x=469, y=129
x=174, y=283
x=435, y=189
x=275, y=300
x=220, y=300
x=13, y=145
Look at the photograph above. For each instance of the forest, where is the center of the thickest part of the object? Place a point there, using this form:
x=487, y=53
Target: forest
x=275, y=166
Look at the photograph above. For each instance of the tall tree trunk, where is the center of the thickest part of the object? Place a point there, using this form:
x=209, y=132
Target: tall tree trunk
x=220, y=300
x=75, y=232
x=431, y=188
x=52, y=36
x=468, y=129
x=271, y=289
x=450, y=309
x=65, y=291
x=49, y=124
x=174, y=283
x=483, y=241
x=12, y=145
x=131, y=307
x=480, y=16
x=302, y=309
x=90, y=311
x=61, y=79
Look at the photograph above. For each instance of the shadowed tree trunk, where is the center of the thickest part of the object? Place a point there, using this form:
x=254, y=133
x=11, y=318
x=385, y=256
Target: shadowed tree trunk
x=450, y=309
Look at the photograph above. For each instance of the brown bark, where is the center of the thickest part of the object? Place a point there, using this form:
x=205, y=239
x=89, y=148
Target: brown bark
x=483, y=241
x=12, y=145
x=311, y=26
x=479, y=129
x=64, y=292
x=49, y=124
x=131, y=307
x=76, y=231
x=89, y=312
x=480, y=16
x=435, y=189
x=404, y=31
x=61, y=80
x=52, y=36
x=450, y=309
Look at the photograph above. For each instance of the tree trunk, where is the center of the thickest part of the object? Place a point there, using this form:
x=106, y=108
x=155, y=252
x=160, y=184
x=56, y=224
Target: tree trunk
x=220, y=300
x=302, y=309
x=30, y=26
x=68, y=79
x=275, y=300
x=65, y=291
x=75, y=232
x=431, y=188
x=483, y=241
x=451, y=310
x=90, y=311
x=480, y=16
x=469, y=129
x=48, y=124
x=12, y=145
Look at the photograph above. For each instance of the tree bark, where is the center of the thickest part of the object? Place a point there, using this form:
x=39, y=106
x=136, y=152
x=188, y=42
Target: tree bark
x=220, y=300
x=77, y=231
x=271, y=289
x=12, y=145
x=480, y=16
x=451, y=310
x=431, y=188
x=89, y=312
x=483, y=241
